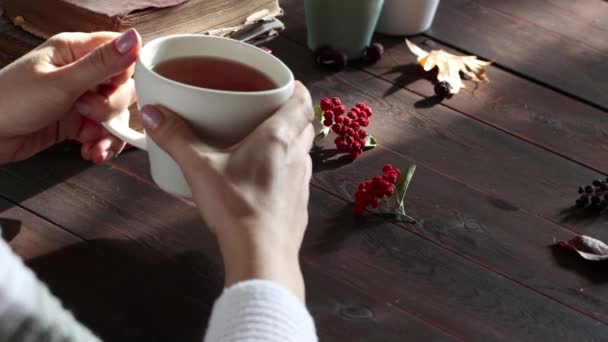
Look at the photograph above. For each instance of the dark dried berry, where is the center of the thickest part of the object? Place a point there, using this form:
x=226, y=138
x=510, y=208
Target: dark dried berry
x=582, y=201
x=375, y=52
x=597, y=182
x=442, y=89
x=595, y=199
x=589, y=189
x=580, y=190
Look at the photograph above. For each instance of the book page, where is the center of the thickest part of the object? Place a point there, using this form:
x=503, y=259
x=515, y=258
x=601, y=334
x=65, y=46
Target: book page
x=121, y=7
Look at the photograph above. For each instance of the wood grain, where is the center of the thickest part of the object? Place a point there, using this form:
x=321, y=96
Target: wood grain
x=158, y=245
x=523, y=109
x=380, y=259
x=522, y=46
x=482, y=228
x=455, y=145
x=584, y=21
x=510, y=103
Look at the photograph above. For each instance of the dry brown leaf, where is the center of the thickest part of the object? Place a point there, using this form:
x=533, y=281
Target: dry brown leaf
x=449, y=66
x=587, y=247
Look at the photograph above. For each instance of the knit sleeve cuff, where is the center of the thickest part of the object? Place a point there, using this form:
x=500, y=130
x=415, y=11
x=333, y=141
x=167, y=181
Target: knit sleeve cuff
x=260, y=310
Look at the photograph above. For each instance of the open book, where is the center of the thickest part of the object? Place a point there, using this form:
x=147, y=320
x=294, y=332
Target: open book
x=152, y=18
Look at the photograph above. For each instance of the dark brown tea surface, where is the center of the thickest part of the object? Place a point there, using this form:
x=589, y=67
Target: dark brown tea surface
x=214, y=73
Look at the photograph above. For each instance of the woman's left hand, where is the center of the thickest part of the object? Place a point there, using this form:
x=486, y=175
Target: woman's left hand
x=62, y=89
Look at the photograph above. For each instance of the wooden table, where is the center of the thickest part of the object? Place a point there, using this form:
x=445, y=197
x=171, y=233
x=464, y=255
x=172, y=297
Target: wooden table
x=498, y=168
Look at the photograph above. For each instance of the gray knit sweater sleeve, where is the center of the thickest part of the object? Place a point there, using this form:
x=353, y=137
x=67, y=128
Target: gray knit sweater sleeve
x=28, y=311
x=250, y=311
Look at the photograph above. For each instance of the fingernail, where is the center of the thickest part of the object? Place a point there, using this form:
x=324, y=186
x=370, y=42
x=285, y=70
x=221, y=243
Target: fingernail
x=83, y=108
x=126, y=42
x=151, y=117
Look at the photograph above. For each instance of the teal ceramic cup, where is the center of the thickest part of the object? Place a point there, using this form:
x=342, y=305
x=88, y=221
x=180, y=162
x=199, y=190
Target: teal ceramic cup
x=344, y=25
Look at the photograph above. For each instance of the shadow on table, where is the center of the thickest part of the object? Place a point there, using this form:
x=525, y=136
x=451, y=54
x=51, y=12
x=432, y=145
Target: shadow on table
x=124, y=291
x=585, y=216
x=9, y=228
x=594, y=271
x=328, y=159
x=336, y=231
x=28, y=178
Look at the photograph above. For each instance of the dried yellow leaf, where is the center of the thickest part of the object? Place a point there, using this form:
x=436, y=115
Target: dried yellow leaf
x=449, y=66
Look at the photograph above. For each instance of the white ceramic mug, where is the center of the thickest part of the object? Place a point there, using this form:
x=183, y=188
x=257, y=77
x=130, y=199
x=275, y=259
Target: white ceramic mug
x=221, y=118
x=406, y=17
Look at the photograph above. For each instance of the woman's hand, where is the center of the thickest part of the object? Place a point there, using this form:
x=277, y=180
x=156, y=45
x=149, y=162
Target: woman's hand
x=254, y=196
x=62, y=89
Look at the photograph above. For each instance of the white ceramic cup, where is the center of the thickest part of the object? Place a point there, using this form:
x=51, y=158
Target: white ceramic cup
x=406, y=17
x=221, y=118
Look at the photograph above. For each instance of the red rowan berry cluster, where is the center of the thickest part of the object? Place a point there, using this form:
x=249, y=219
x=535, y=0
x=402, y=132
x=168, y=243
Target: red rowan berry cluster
x=370, y=192
x=349, y=127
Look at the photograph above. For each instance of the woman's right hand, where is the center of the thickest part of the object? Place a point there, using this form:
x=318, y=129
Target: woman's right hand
x=253, y=196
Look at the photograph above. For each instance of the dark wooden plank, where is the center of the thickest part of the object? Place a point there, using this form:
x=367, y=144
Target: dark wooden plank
x=510, y=103
x=156, y=236
x=522, y=46
x=584, y=21
x=380, y=259
x=455, y=145
x=483, y=228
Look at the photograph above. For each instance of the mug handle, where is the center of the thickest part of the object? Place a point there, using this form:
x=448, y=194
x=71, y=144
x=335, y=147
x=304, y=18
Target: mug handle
x=119, y=126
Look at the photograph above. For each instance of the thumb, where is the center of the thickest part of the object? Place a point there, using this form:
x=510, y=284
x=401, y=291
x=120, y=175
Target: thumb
x=174, y=135
x=110, y=59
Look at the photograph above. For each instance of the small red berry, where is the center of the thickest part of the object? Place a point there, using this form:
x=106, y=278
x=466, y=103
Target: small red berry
x=326, y=104
x=369, y=111
x=336, y=101
x=349, y=140
x=362, y=186
x=328, y=114
x=356, y=126
x=391, y=190
x=339, y=110
x=351, y=115
x=387, y=168
x=362, y=134
x=348, y=121
x=363, y=122
x=356, y=145
x=327, y=122
x=354, y=154
x=350, y=131
x=376, y=180
x=336, y=128
x=391, y=177
x=339, y=119
x=361, y=105
x=339, y=140
x=363, y=143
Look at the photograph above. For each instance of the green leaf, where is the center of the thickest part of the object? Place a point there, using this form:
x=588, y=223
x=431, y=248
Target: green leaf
x=401, y=189
x=319, y=113
x=370, y=142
